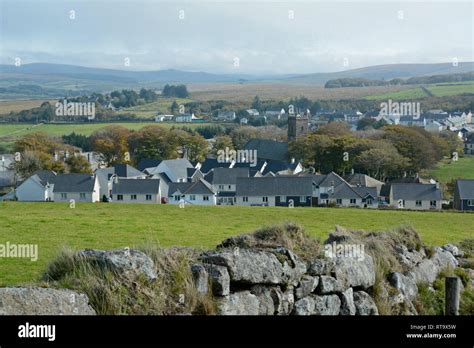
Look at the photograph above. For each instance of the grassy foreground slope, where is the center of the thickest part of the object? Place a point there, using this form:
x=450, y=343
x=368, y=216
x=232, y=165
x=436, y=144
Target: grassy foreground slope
x=101, y=225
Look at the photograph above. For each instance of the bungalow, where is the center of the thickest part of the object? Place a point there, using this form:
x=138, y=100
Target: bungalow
x=415, y=196
x=198, y=192
x=225, y=116
x=79, y=187
x=253, y=112
x=164, y=118
x=37, y=188
x=274, y=114
x=464, y=195
x=136, y=191
x=107, y=175
x=274, y=191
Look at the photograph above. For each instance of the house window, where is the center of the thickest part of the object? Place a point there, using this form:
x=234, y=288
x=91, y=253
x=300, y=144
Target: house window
x=221, y=187
x=282, y=198
x=133, y=197
x=470, y=202
x=176, y=198
x=192, y=197
x=82, y=195
x=245, y=199
x=229, y=187
x=418, y=203
x=148, y=197
x=205, y=198
x=369, y=201
x=432, y=204
x=353, y=201
x=265, y=199
x=339, y=201
x=119, y=197
x=302, y=199
x=63, y=195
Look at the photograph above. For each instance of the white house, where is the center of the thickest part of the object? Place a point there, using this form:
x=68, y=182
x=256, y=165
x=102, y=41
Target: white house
x=415, y=196
x=107, y=175
x=37, y=188
x=164, y=118
x=199, y=193
x=79, y=187
x=136, y=191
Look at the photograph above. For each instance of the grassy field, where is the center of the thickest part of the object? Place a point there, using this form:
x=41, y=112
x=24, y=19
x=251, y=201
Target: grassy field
x=19, y=105
x=447, y=170
x=448, y=89
x=438, y=90
x=101, y=225
x=162, y=105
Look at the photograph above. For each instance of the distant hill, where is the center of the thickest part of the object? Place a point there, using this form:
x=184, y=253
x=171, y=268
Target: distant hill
x=386, y=72
x=50, y=80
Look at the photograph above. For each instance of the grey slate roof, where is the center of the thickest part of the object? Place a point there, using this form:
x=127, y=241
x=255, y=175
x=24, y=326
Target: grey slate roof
x=179, y=166
x=275, y=186
x=126, y=171
x=211, y=163
x=416, y=192
x=365, y=191
x=74, y=183
x=331, y=179
x=357, y=179
x=45, y=176
x=227, y=176
x=201, y=187
x=268, y=149
x=465, y=189
x=278, y=166
x=148, y=163
x=136, y=186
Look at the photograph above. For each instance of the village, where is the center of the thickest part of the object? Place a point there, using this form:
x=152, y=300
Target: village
x=261, y=174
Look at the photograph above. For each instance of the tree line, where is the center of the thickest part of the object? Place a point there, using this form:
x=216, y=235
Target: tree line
x=392, y=151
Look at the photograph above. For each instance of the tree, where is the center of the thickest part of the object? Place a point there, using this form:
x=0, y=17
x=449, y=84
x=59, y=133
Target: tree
x=78, y=164
x=222, y=142
x=257, y=104
x=192, y=146
x=153, y=142
x=365, y=123
x=30, y=162
x=180, y=91
x=111, y=143
x=174, y=106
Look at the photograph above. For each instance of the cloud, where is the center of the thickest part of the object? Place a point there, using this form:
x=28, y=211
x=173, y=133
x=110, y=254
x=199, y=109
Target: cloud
x=316, y=37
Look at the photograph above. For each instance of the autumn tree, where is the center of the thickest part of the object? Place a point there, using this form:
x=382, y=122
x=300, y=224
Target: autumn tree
x=111, y=143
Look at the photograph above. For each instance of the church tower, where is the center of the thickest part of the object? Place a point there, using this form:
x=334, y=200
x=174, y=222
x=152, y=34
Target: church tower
x=298, y=125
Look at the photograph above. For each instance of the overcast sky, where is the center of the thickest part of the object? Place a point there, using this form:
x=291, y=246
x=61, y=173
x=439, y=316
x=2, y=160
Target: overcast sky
x=256, y=37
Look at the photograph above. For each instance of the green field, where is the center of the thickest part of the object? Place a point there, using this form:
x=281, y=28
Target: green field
x=438, y=90
x=102, y=225
x=448, y=170
x=162, y=106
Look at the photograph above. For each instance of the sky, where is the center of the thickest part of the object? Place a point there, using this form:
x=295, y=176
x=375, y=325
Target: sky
x=240, y=36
